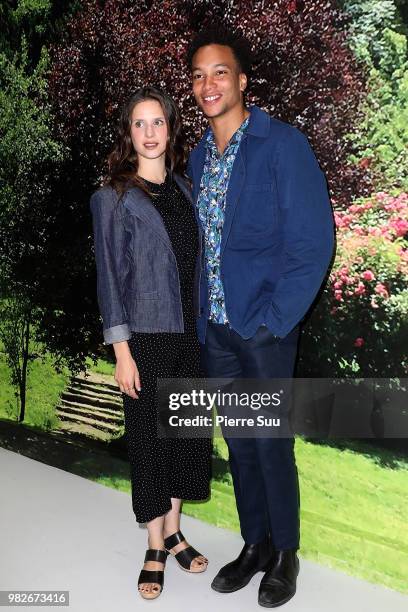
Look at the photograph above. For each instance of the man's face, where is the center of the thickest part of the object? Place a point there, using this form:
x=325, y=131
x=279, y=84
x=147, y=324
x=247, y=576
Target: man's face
x=217, y=81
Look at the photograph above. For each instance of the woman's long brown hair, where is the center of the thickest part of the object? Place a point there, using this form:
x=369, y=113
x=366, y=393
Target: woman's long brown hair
x=123, y=160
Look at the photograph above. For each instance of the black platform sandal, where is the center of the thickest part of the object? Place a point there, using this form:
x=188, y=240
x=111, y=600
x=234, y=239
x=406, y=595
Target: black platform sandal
x=186, y=556
x=153, y=576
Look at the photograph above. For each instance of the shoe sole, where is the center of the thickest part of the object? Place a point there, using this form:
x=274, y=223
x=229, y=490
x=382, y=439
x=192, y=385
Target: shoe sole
x=148, y=598
x=191, y=571
x=276, y=605
x=169, y=554
x=283, y=601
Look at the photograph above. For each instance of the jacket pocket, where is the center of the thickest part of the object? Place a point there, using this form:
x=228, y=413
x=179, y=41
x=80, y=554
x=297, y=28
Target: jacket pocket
x=259, y=187
x=256, y=212
x=144, y=308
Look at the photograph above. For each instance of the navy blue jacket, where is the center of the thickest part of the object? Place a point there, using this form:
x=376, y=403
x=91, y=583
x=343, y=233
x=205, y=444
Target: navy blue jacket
x=278, y=233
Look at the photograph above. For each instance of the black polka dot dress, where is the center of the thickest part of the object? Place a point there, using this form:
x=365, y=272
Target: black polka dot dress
x=162, y=468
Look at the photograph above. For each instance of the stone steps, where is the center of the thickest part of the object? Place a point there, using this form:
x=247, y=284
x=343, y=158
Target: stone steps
x=94, y=387
x=83, y=419
x=102, y=381
x=92, y=407
x=92, y=401
x=104, y=415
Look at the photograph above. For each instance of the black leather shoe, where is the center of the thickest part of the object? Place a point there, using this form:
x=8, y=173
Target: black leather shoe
x=279, y=582
x=253, y=558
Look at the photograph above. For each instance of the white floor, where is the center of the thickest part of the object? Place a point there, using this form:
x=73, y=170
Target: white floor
x=59, y=531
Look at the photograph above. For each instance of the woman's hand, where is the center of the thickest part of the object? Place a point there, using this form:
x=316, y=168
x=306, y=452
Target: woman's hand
x=126, y=372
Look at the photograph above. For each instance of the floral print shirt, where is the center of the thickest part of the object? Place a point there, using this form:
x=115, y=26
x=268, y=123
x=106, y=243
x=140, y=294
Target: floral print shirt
x=211, y=209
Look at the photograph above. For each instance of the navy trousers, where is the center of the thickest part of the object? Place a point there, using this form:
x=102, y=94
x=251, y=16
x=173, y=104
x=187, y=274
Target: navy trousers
x=263, y=470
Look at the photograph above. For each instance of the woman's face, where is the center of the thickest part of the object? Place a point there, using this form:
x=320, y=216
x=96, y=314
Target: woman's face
x=149, y=129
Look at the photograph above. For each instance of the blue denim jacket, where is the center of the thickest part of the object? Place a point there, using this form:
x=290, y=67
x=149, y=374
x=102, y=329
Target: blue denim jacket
x=278, y=233
x=138, y=285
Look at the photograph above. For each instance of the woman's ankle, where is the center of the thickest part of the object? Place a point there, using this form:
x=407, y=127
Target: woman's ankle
x=155, y=543
x=172, y=525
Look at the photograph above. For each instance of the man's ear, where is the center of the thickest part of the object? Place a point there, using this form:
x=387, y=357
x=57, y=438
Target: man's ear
x=243, y=81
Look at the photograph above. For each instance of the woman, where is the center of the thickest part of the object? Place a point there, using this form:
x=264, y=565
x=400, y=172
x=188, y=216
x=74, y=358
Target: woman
x=146, y=248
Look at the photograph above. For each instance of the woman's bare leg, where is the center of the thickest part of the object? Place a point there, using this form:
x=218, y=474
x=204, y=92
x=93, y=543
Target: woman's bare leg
x=172, y=525
x=155, y=540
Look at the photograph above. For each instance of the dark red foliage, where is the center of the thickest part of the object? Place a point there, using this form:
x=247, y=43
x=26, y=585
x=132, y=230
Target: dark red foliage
x=305, y=73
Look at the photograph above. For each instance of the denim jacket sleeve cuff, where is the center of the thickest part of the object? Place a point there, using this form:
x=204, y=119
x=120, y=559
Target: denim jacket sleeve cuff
x=118, y=333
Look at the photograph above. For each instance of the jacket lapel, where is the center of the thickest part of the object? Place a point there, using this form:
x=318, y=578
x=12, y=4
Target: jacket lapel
x=235, y=184
x=199, y=160
x=139, y=204
x=184, y=186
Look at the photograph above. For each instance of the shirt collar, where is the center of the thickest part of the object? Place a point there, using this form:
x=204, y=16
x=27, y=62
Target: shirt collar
x=259, y=125
x=210, y=141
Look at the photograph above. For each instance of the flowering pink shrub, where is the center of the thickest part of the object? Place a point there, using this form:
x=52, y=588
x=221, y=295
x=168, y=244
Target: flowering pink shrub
x=360, y=324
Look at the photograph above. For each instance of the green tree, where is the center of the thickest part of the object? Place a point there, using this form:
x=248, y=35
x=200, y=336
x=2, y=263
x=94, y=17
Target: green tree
x=379, y=38
x=27, y=149
x=40, y=22
x=16, y=318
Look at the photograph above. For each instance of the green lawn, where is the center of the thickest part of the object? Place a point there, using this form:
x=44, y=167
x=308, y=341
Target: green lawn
x=353, y=500
x=353, y=511
x=101, y=367
x=44, y=387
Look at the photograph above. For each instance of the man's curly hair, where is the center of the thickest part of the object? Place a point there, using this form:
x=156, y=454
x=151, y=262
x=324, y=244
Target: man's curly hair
x=220, y=35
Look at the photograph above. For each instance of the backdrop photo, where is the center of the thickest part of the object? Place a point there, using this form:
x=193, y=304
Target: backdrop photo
x=338, y=71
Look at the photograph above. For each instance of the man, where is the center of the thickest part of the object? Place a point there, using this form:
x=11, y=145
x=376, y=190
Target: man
x=267, y=224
